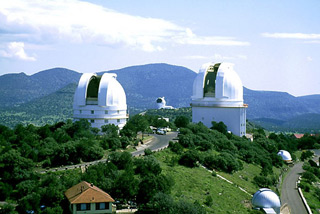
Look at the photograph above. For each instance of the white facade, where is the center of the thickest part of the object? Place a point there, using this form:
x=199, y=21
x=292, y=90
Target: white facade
x=266, y=200
x=218, y=96
x=101, y=100
x=161, y=103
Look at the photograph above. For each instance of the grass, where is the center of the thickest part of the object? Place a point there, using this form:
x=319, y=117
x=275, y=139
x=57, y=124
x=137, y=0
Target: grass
x=313, y=202
x=196, y=184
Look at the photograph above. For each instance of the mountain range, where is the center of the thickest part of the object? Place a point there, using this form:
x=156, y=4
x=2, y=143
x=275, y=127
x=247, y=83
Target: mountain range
x=47, y=97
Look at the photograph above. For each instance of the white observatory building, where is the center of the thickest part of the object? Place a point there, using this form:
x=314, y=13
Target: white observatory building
x=101, y=100
x=285, y=155
x=162, y=104
x=267, y=201
x=218, y=96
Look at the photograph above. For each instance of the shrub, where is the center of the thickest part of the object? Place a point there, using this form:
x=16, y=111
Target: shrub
x=189, y=158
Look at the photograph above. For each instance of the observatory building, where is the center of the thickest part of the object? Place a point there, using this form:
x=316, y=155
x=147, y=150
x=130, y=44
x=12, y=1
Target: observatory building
x=161, y=103
x=101, y=100
x=267, y=201
x=285, y=155
x=218, y=96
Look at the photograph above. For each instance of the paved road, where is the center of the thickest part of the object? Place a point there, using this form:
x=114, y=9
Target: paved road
x=158, y=141
x=289, y=192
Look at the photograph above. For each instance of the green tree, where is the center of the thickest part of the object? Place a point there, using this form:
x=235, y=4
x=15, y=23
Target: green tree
x=181, y=121
x=220, y=127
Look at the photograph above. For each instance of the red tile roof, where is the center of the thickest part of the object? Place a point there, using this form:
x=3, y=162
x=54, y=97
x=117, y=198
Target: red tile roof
x=87, y=193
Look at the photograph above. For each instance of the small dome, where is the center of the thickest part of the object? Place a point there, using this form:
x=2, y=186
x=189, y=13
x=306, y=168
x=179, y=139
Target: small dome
x=218, y=82
x=161, y=100
x=285, y=155
x=266, y=198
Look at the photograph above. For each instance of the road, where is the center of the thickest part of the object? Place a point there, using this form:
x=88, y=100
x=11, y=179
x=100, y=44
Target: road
x=289, y=192
x=158, y=142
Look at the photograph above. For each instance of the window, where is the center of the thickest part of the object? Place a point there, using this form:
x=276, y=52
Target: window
x=92, y=112
x=92, y=121
x=80, y=111
x=106, y=111
x=118, y=120
x=83, y=207
x=102, y=206
x=106, y=121
x=118, y=111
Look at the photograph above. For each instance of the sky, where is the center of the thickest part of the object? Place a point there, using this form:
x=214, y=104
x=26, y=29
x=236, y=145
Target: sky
x=274, y=45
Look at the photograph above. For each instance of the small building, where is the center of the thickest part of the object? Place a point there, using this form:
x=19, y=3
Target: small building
x=101, y=100
x=267, y=201
x=218, y=96
x=285, y=155
x=161, y=103
x=89, y=199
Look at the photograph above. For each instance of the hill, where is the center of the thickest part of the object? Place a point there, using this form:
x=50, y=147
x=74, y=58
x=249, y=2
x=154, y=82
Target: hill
x=145, y=83
x=20, y=88
x=279, y=105
x=48, y=109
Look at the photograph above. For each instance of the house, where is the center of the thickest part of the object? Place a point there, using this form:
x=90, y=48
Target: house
x=86, y=198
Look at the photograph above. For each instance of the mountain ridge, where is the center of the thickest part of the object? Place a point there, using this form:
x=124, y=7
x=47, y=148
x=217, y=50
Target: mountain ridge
x=143, y=84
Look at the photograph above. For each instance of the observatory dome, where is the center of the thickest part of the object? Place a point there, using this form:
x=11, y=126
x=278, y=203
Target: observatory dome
x=101, y=100
x=266, y=198
x=103, y=90
x=285, y=155
x=218, y=82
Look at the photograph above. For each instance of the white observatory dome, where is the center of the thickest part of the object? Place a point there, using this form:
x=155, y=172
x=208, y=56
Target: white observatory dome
x=101, y=100
x=218, y=83
x=285, y=155
x=266, y=198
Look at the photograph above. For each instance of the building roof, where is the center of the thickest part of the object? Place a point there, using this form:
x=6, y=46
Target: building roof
x=298, y=135
x=285, y=155
x=105, y=89
x=218, y=82
x=87, y=193
x=266, y=198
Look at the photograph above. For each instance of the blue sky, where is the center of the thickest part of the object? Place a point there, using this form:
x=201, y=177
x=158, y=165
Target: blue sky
x=275, y=45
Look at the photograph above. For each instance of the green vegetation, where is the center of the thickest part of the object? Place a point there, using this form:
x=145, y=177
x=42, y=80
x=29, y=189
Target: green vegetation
x=310, y=181
x=169, y=181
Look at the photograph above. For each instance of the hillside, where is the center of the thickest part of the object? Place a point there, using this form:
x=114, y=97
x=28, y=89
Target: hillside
x=20, y=88
x=145, y=83
x=279, y=105
x=48, y=109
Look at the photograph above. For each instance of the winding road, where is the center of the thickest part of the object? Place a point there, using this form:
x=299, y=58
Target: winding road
x=157, y=142
x=289, y=191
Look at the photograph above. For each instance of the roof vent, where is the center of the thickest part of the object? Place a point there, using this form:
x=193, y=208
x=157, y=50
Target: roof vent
x=91, y=184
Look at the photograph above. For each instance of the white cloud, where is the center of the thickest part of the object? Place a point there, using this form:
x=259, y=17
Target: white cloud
x=16, y=50
x=309, y=58
x=312, y=42
x=46, y=21
x=291, y=35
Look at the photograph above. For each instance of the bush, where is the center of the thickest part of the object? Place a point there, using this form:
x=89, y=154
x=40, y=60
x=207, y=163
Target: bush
x=306, y=155
x=147, y=152
x=175, y=147
x=310, y=177
x=189, y=158
x=262, y=181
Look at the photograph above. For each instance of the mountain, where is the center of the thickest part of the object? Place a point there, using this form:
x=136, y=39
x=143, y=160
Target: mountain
x=143, y=84
x=19, y=88
x=50, y=109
